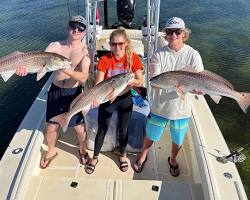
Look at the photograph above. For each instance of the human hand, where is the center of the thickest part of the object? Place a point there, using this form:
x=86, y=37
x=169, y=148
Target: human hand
x=94, y=104
x=133, y=83
x=67, y=71
x=21, y=71
x=198, y=91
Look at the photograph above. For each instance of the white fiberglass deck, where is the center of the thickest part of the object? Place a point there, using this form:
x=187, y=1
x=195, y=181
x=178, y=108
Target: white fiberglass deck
x=66, y=169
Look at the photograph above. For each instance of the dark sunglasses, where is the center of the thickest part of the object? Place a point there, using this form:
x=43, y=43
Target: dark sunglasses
x=171, y=31
x=74, y=26
x=117, y=43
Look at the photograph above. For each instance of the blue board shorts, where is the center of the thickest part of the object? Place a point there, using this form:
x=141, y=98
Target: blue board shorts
x=58, y=102
x=156, y=125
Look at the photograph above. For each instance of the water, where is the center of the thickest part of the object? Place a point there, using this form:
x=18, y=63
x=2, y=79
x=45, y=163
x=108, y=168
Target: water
x=220, y=32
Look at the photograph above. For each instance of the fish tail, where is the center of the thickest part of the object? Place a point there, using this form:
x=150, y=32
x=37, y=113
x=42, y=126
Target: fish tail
x=63, y=120
x=65, y=124
x=244, y=101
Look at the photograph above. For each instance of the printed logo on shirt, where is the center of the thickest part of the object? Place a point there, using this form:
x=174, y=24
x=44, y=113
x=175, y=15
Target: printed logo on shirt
x=119, y=65
x=113, y=72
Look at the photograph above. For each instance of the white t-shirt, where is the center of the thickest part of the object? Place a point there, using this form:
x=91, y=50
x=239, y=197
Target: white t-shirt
x=166, y=59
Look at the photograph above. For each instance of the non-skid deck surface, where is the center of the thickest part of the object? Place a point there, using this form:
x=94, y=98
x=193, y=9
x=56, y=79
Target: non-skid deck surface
x=108, y=189
x=66, y=164
x=108, y=180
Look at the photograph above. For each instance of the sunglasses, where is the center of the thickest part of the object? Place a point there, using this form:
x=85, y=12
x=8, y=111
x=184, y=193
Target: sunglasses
x=117, y=43
x=74, y=26
x=172, y=31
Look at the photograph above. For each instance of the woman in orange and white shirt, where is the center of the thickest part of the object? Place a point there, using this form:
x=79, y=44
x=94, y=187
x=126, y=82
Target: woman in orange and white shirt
x=121, y=59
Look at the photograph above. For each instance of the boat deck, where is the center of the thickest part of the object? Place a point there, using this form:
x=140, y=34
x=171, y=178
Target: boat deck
x=66, y=169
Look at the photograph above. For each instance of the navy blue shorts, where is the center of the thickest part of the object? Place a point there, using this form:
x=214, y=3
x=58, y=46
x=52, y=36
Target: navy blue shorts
x=58, y=102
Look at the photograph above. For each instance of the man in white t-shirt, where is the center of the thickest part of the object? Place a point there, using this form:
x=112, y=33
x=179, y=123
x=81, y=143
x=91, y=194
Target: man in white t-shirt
x=167, y=106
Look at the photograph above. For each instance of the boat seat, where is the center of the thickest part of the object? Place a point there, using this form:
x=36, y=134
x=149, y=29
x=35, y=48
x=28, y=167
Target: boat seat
x=100, y=53
x=137, y=126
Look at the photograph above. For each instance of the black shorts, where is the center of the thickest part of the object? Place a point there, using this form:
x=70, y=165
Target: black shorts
x=58, y=102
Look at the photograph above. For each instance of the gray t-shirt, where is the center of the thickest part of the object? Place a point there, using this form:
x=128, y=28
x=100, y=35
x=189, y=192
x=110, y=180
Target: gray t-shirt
x=168, y=104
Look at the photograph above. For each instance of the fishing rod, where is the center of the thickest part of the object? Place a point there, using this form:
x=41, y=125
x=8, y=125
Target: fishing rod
x=235, y=156
x=68, y=9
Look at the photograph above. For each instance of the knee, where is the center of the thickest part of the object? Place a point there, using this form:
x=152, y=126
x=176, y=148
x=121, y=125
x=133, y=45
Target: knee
x=100, y=134
x=52, y=128
x=102, y=130
x=123, y=135
x=80, y=129
x=123, y=131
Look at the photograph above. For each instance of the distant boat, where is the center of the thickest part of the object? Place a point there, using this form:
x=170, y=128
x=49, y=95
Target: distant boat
x=202, y=175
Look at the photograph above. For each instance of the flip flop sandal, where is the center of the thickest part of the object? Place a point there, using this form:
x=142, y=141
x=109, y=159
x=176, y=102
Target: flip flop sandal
x=83, y=158
x=174, y=170
x=123, y=166
x=90, y=168
x=140, y=165
x=48, y=160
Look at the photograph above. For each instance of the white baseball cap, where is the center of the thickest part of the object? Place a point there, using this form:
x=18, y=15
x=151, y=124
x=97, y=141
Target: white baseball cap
x=175, y=22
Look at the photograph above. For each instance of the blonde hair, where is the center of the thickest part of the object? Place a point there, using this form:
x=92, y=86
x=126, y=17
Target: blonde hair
x=128, y=50
x=187, y=33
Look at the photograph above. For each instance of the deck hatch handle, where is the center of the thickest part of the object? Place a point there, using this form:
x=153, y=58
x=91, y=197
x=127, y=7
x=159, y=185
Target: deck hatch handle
x=155, y=188
x=74, y=184
x=17, y=150
x=228, y=175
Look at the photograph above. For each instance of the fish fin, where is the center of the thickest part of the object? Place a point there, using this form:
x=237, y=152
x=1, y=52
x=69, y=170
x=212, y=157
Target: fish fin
x=216, y=99
x=171, y=95
x=11, y=55
x=112, y=96
x=244, y=101
x=85, y=112
x=155, y=86
x=180, y=91
x=218, y=78
x=63, y=120
x=6, y=76
x=76, y=100
x=40, y=75
x=111, y=100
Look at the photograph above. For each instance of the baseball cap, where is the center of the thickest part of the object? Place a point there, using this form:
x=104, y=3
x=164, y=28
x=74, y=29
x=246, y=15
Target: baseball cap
x=175, y=22
x=79, y=19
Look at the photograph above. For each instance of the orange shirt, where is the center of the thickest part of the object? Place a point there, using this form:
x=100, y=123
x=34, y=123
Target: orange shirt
x=111, y=66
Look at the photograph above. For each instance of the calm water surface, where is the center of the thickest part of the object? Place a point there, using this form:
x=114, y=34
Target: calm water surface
x=220, y=32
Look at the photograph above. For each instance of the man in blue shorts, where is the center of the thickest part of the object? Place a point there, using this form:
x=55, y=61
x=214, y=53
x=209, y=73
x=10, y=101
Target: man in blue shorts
x=167, y=106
